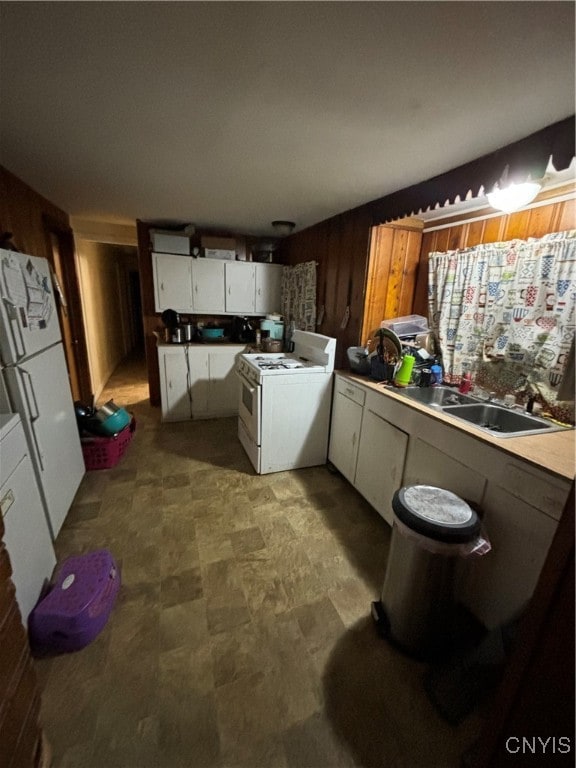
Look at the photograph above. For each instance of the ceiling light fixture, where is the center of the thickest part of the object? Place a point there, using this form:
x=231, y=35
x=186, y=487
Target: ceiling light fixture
x=283, y=227
x=514, y=196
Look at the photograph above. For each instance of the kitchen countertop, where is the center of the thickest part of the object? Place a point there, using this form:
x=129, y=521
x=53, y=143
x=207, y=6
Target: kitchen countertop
x=553, y=452
x=211, y=343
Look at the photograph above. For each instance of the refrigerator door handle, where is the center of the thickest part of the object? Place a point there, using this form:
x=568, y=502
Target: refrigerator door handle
x=31, y=401
x=13, y=317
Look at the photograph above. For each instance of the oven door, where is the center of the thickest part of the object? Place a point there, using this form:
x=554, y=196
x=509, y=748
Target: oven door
x=249, y=407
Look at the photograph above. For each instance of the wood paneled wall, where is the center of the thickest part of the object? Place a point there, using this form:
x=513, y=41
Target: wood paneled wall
x=534, y=222
x=391, y=275
x=23, y=212
x=340, y=247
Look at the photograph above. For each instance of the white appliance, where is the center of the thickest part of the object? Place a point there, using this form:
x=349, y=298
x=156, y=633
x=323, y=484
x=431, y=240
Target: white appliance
x=26, y=533
x=285, y=404
x=36, y=383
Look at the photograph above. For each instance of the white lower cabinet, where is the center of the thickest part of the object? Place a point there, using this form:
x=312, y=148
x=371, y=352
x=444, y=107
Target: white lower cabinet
x=183, y=382
x=198, y=382
x=380, y=464
x=499, y=585
x=380, y=443
x=224, y=387
x=427, y=465
x=347, y=407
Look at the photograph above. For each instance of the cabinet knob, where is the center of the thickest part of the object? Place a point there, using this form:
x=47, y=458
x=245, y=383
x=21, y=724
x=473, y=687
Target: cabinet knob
x=161, y=286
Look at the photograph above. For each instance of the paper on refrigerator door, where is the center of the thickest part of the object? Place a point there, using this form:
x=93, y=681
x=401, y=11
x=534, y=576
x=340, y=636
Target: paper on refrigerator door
x=29, y=291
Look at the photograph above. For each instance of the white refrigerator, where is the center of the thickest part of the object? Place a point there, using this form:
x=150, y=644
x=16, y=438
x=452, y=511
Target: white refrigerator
x=35, y=379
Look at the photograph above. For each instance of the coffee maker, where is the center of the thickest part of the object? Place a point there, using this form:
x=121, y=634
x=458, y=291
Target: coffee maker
x=242, y=331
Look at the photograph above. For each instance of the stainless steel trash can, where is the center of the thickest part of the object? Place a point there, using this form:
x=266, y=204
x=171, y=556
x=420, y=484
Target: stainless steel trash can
x=417, y=606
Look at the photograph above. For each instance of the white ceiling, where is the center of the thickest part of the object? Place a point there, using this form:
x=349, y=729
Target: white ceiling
x=235, y=114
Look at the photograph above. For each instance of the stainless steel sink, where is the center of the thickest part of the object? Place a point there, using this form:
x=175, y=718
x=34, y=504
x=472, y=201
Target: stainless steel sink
x=436, y=397
x=499, y=421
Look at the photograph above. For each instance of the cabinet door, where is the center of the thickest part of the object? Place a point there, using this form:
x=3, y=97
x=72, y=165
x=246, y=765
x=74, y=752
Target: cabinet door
x=344, y=434
x=268, y=288
x=208, y=286
x=224, y=385
x=183, y=383
x=427, y=465
x=380, y=463
x=498, y=585
x=172, y=282
x=240, y=287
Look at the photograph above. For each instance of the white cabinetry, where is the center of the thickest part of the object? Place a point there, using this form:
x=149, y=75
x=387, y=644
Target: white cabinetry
x=183, y=382
x=212, y=286
x=198, y=382
x=208, y=286
x=224, y=386
x=427, y=465
x=235, y=287
x=347, y=409
x=240, y=278
x=268, y=288
x=172, y=282
x=26, y=534
x=499, y=585
x=400, y=445
x=380, y=462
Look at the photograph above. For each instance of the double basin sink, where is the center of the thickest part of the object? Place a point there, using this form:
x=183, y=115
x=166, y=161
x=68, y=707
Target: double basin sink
x=494, y=419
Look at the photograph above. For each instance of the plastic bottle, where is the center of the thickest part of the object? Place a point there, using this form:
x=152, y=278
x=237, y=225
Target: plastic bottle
x=465, y=383
x=404, y=374
x=436, y=375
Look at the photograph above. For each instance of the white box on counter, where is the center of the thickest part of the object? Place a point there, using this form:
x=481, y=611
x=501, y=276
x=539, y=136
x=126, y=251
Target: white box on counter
x=219, y=253
x=171, y=242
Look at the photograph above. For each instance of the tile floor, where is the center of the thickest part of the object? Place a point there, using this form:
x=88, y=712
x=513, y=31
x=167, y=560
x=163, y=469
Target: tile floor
x=242, y=635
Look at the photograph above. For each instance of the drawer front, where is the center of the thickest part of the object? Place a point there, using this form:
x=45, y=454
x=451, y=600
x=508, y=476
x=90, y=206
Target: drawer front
x=537, y=489
x=343, y=387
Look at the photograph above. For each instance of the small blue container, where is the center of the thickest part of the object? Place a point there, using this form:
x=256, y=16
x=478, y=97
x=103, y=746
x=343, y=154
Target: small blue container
x=436, y=379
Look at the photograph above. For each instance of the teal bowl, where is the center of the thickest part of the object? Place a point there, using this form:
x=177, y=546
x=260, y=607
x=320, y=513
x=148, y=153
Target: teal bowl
x=115, y=422
x=212, y=333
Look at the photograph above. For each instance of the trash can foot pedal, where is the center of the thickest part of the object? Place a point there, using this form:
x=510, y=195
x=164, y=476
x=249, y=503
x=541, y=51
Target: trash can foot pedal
x=380, y=618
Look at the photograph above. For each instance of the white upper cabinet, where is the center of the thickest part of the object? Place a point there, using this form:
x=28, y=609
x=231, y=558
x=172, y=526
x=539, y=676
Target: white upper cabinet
x=214, y=286
x=208, y=294
x=240, y=287
x=268, y=288
x=172, y=282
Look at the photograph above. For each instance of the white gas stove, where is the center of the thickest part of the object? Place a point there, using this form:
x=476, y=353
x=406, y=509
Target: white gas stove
x=285, y=403
x=256, y=365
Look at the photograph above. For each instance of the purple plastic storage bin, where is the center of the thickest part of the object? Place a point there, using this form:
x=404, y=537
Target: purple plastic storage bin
x=77, y=607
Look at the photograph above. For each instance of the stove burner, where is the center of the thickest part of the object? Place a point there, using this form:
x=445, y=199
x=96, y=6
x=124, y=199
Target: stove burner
x=274, y=365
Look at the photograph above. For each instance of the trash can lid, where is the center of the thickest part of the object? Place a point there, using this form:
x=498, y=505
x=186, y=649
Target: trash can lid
x=436, y=513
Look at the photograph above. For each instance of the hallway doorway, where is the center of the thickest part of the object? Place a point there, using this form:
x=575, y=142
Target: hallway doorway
x=112, y=308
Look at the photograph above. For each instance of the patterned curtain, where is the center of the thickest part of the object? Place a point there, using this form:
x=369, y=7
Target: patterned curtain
x=506, y=312
x=299, y=295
